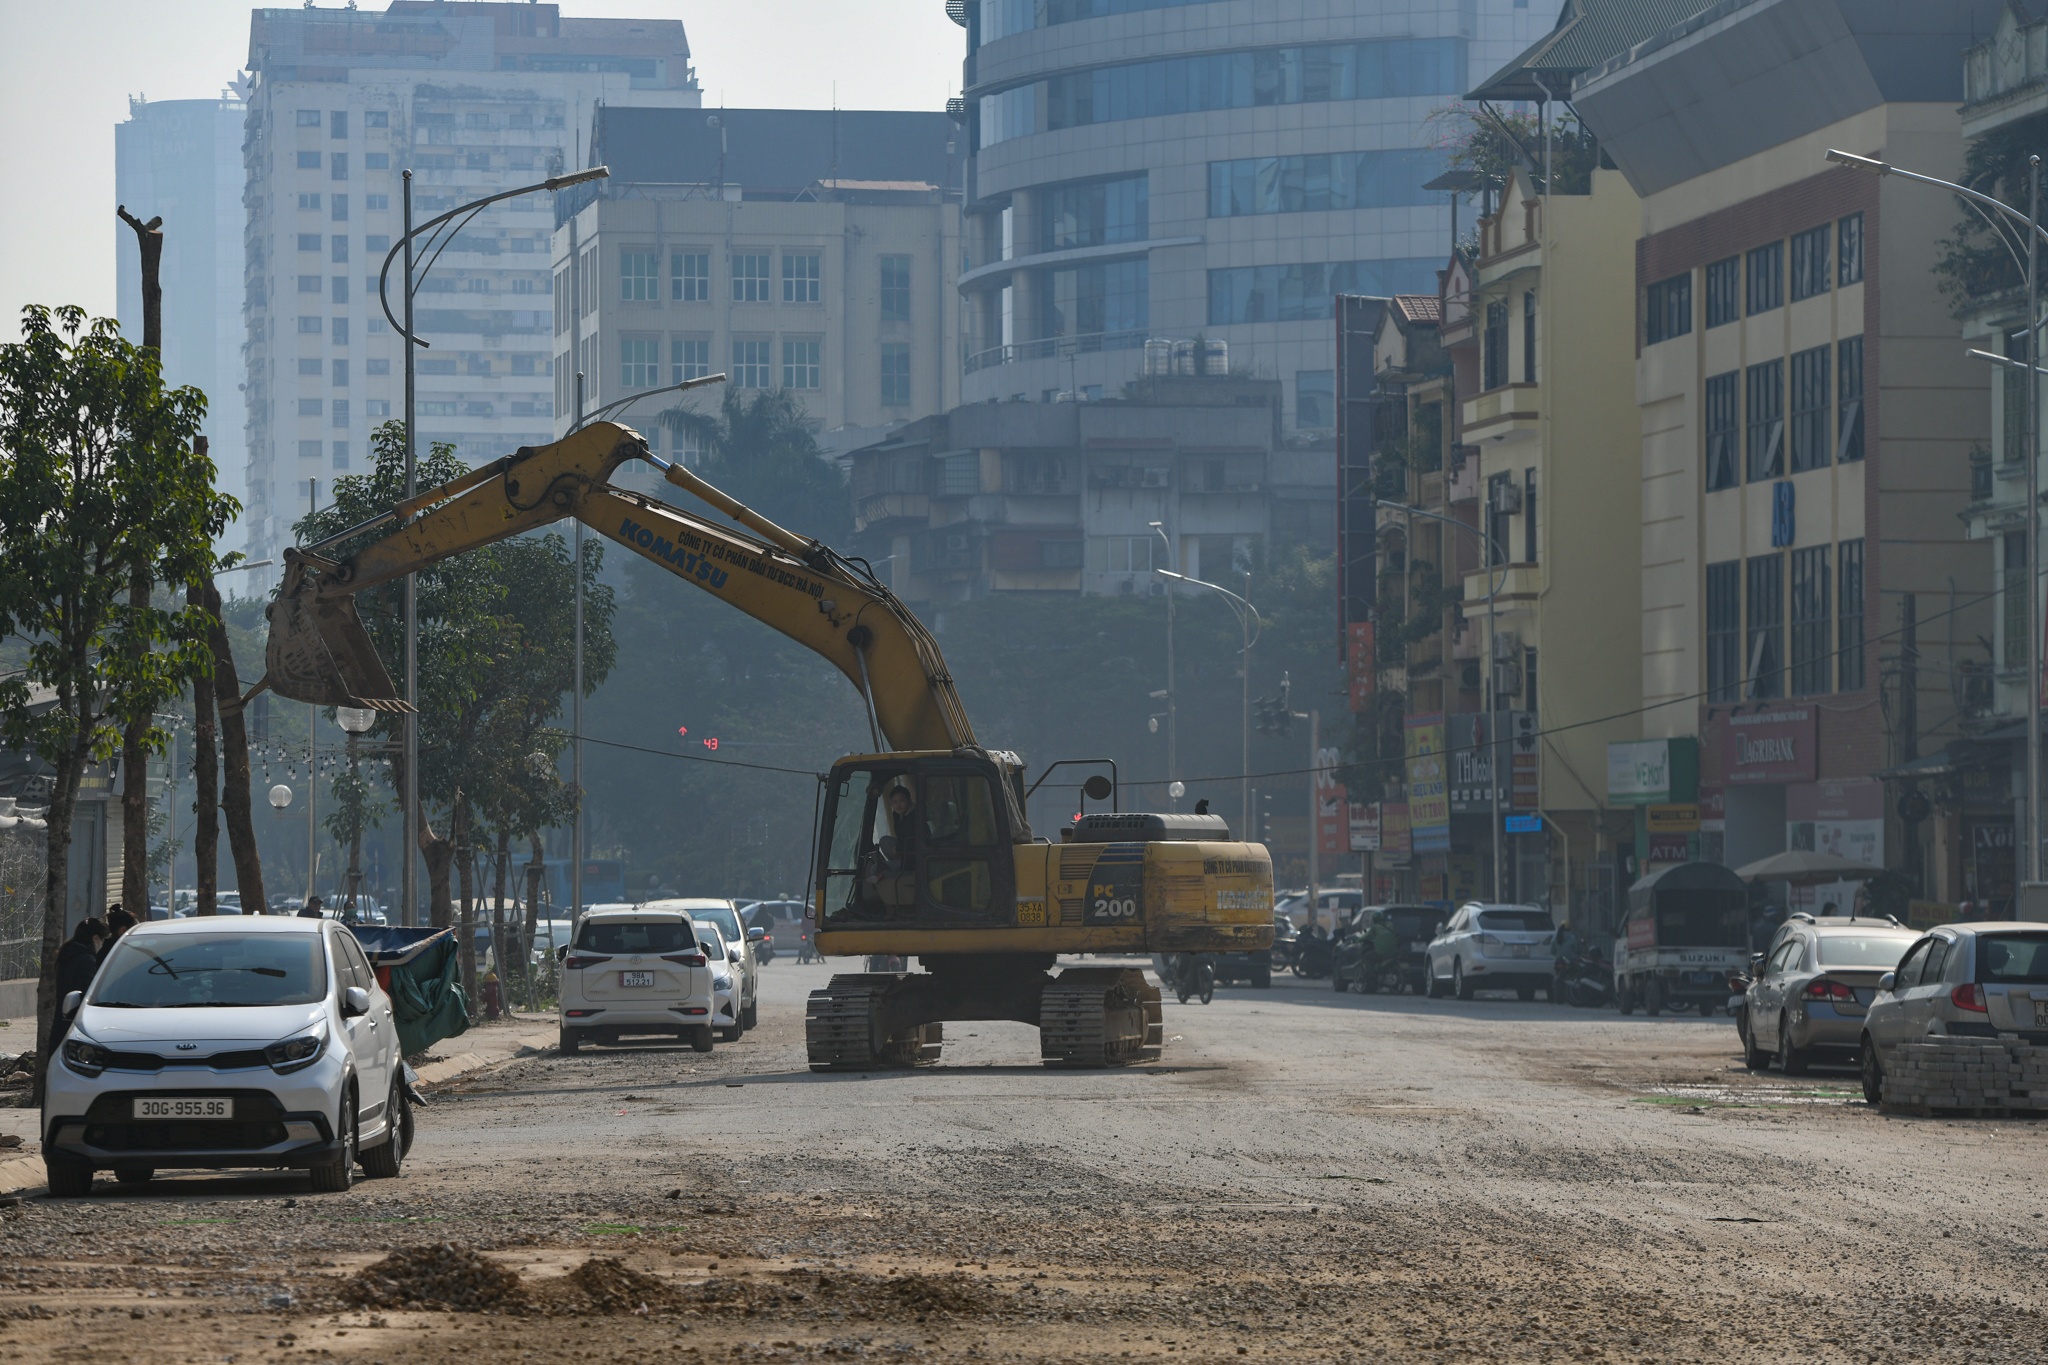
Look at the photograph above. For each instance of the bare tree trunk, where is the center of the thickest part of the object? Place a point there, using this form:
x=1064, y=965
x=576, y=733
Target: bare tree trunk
x=134, y=735
x=439, y=853
x=465, y=872
x=234, y=795
x=503, y=953
x=536, y=870
x=205, y=777
x=70, y=767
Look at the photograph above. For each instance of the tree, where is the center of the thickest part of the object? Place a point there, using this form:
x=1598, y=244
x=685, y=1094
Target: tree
x=1492, y=145
x=1981, y=258
x=761, y=448
x=98, y=474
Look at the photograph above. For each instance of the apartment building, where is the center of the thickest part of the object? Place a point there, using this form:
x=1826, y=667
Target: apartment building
x=1807, y=419
x=182, y=160
x=804, y=249
x=474, y=97
x=1186, y=471
x=1166, y=169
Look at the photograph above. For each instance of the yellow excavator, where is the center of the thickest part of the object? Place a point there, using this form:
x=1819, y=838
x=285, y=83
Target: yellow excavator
x=922, y=848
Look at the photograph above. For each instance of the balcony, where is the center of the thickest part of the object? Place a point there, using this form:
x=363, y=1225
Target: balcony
x=891, y=511
x=2005, y=78
x=1518, y=582
x=1501, y=413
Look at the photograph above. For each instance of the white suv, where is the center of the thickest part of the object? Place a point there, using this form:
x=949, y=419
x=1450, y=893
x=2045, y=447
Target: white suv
x=635, y=971
x=1488, y=947
x=258, y=1041
x=738, y=941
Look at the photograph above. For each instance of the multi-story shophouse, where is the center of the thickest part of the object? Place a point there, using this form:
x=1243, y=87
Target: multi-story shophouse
x=1807, y=420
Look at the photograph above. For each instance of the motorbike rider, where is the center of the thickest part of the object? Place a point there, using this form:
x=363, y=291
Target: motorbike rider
x=1382, y=946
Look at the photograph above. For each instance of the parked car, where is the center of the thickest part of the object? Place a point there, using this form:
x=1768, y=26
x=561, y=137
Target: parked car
x=725, y=995
x=1413, y=925
x=1491, y=947
x=635, y=972
x=726, y=916
x=1809, y=990
x=265, y=1043
x=1983, y=980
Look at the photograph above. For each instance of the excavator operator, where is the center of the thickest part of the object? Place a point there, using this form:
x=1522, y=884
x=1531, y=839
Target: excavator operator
x=900, y=847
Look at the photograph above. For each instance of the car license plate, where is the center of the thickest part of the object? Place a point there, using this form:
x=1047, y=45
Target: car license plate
x=636, y=978
x=186, y=1107
x=2041, y=1013
x=1519, y=950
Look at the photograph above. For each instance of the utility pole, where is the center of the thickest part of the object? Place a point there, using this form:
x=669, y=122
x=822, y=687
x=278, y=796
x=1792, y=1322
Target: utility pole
x=1315, y=807
x=409, y=836
x=135, y=735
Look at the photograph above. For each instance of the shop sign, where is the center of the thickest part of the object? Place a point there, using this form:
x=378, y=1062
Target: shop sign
x=1521, y=824
x=1683, y=819
x=1474, y=740
x=1360, y=665
x=1365, y=826
x=1395, y=838
x=1670, y=848
x=1844, y=817
x=1713, y=808
x=1778, y=745
x=1653, y=772
x=1429, y=807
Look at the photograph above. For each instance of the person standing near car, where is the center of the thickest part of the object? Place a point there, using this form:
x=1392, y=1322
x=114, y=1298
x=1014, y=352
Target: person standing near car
x=119, y=922
x=77, y=961
x=315, y=909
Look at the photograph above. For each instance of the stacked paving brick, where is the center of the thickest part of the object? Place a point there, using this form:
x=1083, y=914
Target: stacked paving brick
x=1972, y=1074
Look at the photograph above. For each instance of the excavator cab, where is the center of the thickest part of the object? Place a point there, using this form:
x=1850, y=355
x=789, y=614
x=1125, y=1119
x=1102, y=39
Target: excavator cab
x=921, y=840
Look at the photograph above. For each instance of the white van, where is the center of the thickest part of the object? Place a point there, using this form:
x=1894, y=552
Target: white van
x=634, y=972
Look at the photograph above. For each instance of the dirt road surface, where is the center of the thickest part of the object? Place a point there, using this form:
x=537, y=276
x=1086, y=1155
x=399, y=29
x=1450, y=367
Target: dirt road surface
x=1306, y=1177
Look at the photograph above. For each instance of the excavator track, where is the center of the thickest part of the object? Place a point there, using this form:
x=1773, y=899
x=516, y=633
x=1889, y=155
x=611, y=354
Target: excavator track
x=840, y=1028
x=1099, y=1016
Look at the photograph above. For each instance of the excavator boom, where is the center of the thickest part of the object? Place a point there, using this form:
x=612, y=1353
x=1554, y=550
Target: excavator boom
x=319, y=651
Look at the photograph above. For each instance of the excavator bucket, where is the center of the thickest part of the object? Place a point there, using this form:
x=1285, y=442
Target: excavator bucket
x=319, y=651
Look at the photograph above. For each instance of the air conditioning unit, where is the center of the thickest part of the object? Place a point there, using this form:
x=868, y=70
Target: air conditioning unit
x=1507, y=497
x=1156, y=477
x=1507, y=679
x=1506, y=645
x=956, y=544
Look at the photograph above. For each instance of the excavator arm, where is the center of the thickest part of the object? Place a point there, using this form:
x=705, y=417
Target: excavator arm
x=319, y=652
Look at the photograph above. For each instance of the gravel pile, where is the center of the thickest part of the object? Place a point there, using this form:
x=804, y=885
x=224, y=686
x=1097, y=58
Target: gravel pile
x=606, y=1284
x=439, y=1277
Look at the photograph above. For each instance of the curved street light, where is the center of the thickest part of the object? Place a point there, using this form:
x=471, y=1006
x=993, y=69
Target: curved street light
x=1251, y=625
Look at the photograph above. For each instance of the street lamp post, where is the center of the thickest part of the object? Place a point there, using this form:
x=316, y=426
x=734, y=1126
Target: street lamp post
x=1495, y=573
x=409, y=836
x=1247, y=618
x=355, y=722
x=1172, y=713
x=2030, y=221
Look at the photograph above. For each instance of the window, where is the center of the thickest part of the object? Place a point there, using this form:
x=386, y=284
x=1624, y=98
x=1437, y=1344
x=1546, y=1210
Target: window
x=1126, y=554
x=309, y=241
x=337, y=124
x=750, y=279
x=1812, y=396
x=1810, y=262
x=639, y=361
x=340, y=412
x=309, y=161
x=375, y=203
x=750, y=363
x=311, y=407
x=338, y=332
x=376, y=367
x=1849, y=399
x=1315, y=399
x=1321, y=181
x=309, y=284
x=376, y=118
x=309, y=203
x=436, y=407
x=637, y=276
x=1529, y=336
x=895, y=374
x=1105, y=305
x=309, y=118
x=340, y=283
x=337, y=166
x=338, y=248
x=1724, y=291
x=1059, y=554
x=1766, y=278
x=1307, y=293
x=2013, y=584
x=308, y=324
x=1766, y=626
x=799, y=278
x=1724, y=631
x=1494, y=346
x=1723, y=419
x=689, y=358
x=895, y=289
x=689, y=276
x=377, y=407
x=309, y=366
x=1849, y=615
x=1669, y=308
x=309, y=450
x=1766, y=419
x=2013, y=391
x=1094, y=213
x=341, y=374
x=1498, y=517
x=377, y=244
x=800, y=364
x=1529, y=515
x=1849, y=249
x=376, y=161
x=1529, y=700
x=1812, y=622
x=959, y=476
x=339, y=203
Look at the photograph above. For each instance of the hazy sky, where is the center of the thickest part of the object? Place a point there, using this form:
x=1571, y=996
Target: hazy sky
x=68, y=67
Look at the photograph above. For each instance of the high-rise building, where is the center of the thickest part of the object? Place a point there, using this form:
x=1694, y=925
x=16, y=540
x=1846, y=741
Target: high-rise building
x=1223, y=168
x=474, y=97
x=182, y=159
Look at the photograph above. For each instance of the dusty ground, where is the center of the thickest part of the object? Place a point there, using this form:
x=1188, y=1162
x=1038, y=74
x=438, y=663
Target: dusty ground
x=1307, y=1177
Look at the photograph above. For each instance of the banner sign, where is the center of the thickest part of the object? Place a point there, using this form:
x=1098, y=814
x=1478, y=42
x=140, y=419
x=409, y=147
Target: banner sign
x=1365, y=826
x=1776, y=746
x=1429, y=806
x=1362, y=671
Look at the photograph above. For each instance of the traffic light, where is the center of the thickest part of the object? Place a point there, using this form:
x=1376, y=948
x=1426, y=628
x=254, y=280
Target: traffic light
x=1276, y=713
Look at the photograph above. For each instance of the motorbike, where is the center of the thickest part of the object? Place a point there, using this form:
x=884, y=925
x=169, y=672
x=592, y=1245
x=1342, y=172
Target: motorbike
x=806, y=951
x=1584, y=980
x=1314, y=957
x=1194, y=975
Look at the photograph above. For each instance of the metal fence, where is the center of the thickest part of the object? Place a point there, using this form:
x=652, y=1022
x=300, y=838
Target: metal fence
x=21, y=905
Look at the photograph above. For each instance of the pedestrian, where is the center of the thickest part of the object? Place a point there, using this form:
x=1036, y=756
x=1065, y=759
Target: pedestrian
x=119, y=922
x=77, y=962
x=1829, y=910
x=315, y=909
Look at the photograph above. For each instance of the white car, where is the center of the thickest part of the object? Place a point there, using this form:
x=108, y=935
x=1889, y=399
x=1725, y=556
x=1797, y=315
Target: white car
x=725, y=995
x=634, y=972
x=1492, y=947
x=261, y=1041
x=726, y=915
